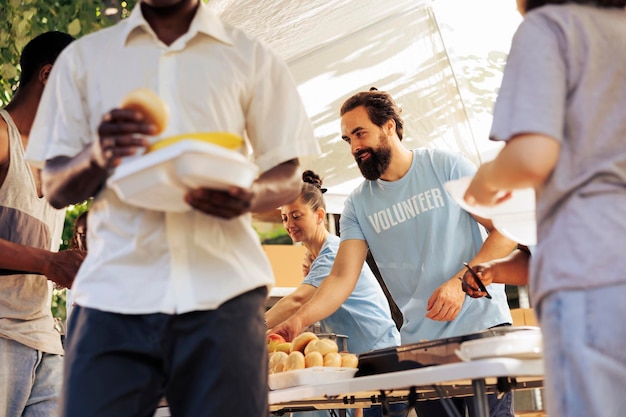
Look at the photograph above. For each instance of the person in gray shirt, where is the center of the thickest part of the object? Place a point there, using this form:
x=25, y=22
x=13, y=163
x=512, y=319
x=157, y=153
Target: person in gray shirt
x=561, y=112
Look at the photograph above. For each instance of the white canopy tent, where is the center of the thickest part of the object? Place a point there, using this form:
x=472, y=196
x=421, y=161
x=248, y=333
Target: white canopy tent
x=441, y=60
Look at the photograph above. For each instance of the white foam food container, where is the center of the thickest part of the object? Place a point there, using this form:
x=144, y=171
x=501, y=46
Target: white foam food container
x=160, y=179
x=309, y=376
x=524, y=344
x=514, y=218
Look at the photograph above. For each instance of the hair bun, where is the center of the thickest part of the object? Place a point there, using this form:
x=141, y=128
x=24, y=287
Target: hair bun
x=311, y=177
x=373, y=89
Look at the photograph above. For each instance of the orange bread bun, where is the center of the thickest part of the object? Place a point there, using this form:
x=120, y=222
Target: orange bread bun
x=312, y=359
x=349, y=360
x=150, y=105
x=298, y=344
x=294, y=361
x=332, y=359
x=276, y=359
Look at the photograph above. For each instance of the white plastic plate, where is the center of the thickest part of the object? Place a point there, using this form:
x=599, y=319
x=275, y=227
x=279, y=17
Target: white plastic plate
x=523, y=344
x=309, y=376
x=160, y=179
x=514, y=218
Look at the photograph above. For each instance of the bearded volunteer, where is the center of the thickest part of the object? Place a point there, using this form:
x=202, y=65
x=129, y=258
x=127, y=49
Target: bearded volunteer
x=418, y=236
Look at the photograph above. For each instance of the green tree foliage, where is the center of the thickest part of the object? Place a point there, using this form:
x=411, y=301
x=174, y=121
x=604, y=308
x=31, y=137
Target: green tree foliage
x=22, y=20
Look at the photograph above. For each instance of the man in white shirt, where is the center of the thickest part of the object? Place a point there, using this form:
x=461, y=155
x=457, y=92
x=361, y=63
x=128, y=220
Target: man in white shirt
x=169, y=303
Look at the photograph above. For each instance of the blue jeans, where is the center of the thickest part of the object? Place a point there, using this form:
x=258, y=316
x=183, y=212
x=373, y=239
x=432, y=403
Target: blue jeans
x=30, y=381
x=584, y=339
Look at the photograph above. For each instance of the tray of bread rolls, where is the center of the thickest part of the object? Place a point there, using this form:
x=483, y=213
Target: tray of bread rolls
x=307, y=360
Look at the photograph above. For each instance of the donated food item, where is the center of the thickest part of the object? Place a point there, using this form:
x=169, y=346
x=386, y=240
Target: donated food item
x=312, y=359
x=284, y=347
x=349, y=360
x=277, y=362
x=323, y=346
x=299, y=343
x=332, y=359
x=308, y=351
x=224, y=139
x=294, y=361
x=273, y=340
x=150, y=105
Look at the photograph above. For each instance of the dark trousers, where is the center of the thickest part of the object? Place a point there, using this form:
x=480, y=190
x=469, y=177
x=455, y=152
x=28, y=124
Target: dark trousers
x=206, y=363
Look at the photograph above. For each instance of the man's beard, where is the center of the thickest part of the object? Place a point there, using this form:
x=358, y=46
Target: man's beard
x=378, y=162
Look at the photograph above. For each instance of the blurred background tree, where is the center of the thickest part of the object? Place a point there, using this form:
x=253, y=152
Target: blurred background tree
x=22, y=20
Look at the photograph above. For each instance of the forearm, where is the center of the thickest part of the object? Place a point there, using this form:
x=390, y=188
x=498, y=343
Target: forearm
x=72, y=180
x=21, y=259
x=512, y=270
x=284, y=308
x=496, y=246
x=280, y=185
x=330, y=295
x=525, y=162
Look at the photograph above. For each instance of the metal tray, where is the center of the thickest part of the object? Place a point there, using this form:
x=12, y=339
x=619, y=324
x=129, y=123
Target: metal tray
x=427, y=353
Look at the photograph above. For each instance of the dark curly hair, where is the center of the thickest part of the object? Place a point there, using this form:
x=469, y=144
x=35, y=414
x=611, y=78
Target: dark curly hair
x=533, y=4
x=379, y=105
x=312, y=190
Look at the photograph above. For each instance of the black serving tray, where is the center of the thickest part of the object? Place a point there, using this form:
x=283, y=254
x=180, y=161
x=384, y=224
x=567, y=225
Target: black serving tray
x=427, y=353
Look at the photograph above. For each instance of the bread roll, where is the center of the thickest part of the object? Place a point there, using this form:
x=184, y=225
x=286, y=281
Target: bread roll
x=310, y=347
x=150, y=105
x=298, y=344
x=326, y=346
x=294, y=361
x=332, y=359
x=284, y=347
x=312, y=359
x=323, y=346
x=349, y=360
x=276, y=359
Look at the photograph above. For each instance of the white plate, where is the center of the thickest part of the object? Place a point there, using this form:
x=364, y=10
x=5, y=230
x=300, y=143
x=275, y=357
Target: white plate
x=514, y=218
x=523, y=344
x=160, y=179
x=520, y=227
x=309, y=376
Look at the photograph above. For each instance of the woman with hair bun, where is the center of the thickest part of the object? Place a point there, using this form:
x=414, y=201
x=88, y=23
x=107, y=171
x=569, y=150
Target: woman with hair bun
x=365, y=317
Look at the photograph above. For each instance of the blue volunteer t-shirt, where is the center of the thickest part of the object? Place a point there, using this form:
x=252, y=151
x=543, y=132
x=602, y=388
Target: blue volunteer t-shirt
x=420, y=238
x=365, y=317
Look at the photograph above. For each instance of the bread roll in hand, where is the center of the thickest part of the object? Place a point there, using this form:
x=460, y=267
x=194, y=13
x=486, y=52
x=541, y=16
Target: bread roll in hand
x=150, y=105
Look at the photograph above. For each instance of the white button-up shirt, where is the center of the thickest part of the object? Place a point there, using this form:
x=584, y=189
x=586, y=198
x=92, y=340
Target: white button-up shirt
x=215, y=78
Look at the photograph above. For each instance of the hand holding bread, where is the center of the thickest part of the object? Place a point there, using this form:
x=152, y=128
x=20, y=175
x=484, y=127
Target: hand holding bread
x=123, y=130
x=152, y=107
